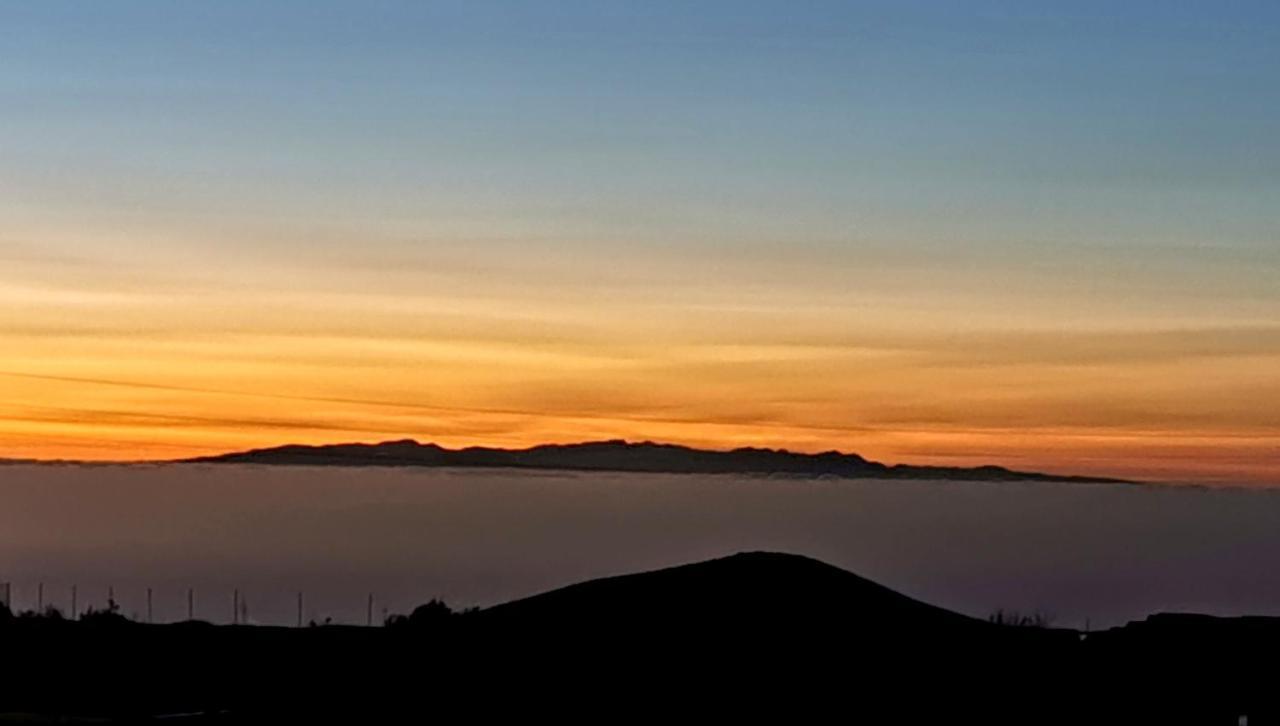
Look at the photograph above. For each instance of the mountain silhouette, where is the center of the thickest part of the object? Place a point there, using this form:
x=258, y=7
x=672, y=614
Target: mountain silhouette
x=756, y=587
x=622, y=456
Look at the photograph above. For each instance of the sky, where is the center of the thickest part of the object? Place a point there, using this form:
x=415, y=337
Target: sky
x=1038, y=234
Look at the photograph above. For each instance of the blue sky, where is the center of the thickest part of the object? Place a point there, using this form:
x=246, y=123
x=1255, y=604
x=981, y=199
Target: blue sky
x=1150, y=122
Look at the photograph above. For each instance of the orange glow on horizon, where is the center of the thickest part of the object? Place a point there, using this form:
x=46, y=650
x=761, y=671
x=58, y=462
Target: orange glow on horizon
x=172, y=422
x=97, y=373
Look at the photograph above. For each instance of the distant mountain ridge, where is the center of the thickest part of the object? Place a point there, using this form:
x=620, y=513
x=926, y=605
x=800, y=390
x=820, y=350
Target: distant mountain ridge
x=622, y=456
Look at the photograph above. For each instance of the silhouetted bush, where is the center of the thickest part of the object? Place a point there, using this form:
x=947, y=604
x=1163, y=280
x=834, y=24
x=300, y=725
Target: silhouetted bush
x=1015, y=619
x=49, y=613
x=435, y=611
x=396, y=621
x=110, y=615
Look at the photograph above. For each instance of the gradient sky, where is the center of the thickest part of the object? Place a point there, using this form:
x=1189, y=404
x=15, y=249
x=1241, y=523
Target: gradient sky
x=1037, y=234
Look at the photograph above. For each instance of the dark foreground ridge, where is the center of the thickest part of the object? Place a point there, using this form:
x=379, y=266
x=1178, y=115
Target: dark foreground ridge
x=623, y=456
x=765, y=636
x=720, y=595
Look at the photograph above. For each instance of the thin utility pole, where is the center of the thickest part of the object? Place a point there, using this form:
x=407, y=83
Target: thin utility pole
x=235, y=607
x=149, y=620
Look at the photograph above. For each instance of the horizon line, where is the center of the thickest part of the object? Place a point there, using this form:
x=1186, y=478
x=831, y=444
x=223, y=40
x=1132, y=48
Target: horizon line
x=213, y=457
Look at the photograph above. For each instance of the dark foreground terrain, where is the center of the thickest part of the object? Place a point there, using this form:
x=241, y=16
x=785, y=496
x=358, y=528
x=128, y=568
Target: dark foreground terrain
x=763, y=636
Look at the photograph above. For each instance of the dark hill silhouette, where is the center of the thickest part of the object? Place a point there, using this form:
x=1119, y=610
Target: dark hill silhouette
x=623, y=456
x=755, y=587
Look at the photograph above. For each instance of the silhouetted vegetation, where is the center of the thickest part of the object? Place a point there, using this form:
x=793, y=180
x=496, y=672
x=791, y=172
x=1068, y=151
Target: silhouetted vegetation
x=50, y=613
x=432, y=612
x=1016, y=619
x=435, y=613
x=109, y=615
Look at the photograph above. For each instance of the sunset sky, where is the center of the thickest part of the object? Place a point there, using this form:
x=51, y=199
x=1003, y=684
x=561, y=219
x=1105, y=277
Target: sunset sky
x=1038, y=234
